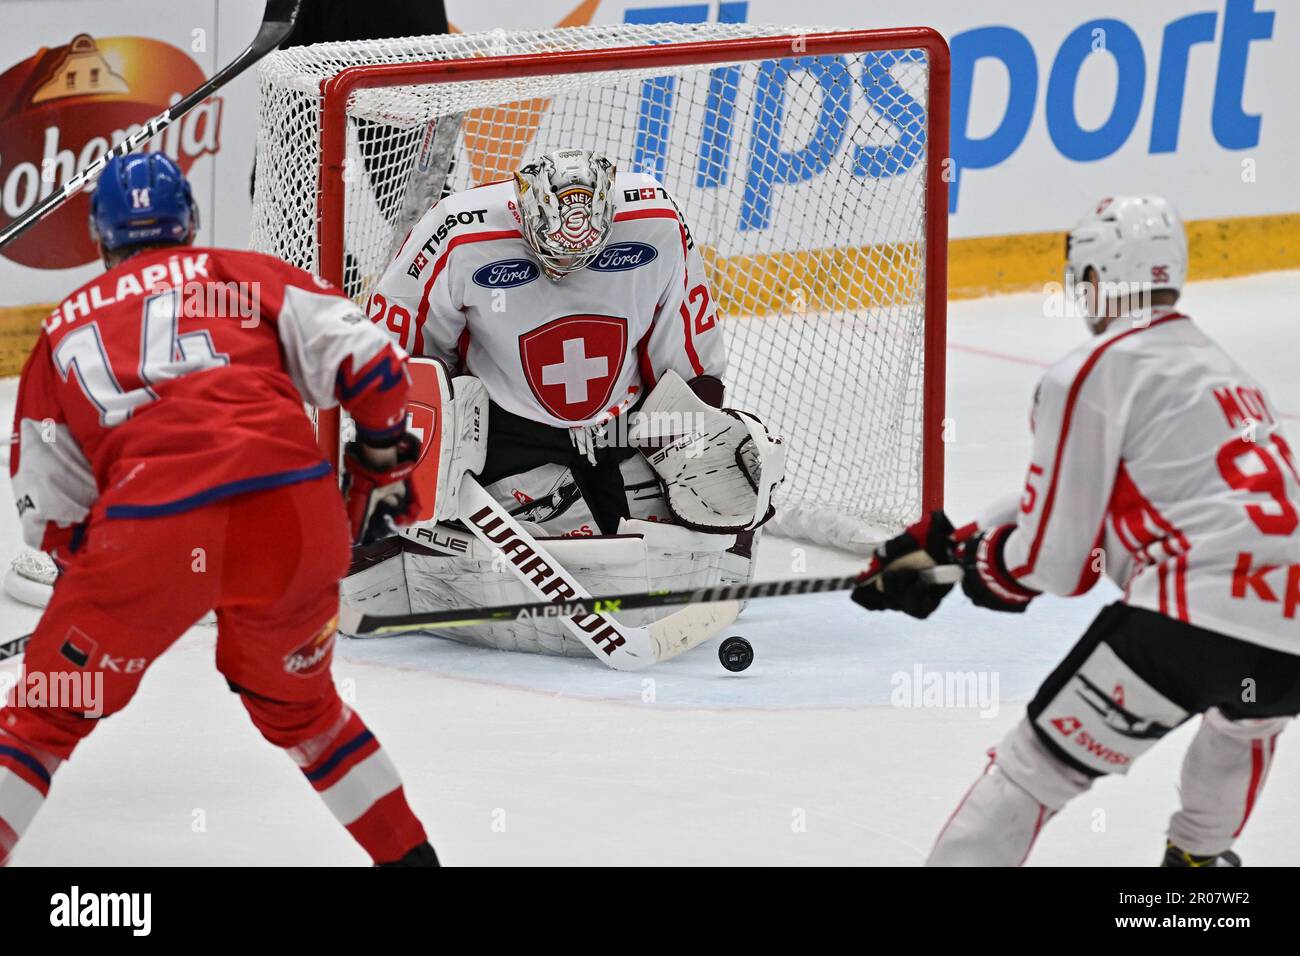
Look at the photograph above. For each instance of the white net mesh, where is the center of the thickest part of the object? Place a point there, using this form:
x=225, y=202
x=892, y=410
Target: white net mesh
x=802, y=178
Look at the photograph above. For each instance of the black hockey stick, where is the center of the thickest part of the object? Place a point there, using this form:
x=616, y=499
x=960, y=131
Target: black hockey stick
x=277, y=21
x=358, y=624
x=14, y=646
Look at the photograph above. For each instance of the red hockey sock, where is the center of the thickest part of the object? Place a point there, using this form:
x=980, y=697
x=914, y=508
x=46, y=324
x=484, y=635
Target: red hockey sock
x=25, y=773
x=361, y=787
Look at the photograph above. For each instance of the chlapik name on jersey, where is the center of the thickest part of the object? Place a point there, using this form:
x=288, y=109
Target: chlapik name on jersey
x=465, y=288
x=178, y=378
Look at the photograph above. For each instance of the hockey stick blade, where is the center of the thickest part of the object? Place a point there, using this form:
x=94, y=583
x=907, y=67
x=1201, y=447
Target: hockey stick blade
x=615, y=645
x=359, y=624
x=277, y=22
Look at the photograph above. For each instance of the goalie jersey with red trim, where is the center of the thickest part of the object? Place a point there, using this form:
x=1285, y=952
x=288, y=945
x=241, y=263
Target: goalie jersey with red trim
x=1160, y=462
x=178, y=378
x=466, y=289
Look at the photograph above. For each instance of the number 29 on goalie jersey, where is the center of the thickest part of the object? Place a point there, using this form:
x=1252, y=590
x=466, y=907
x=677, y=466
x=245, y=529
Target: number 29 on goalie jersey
x=466, y=289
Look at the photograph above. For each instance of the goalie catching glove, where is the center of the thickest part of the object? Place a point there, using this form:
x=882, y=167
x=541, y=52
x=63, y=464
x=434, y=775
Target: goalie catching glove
x=719, y=466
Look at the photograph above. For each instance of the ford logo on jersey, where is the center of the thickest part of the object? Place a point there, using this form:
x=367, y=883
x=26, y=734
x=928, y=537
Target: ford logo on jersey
x=506, y=274
x=622, y=256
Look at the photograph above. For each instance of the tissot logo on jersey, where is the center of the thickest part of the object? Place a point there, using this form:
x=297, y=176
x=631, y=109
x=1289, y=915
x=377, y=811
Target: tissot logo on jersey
x=623, y=256
x=506, y=274
x=431, y=245
x=645, y=192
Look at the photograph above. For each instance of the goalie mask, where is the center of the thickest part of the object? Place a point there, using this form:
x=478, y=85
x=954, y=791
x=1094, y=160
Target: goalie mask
x=567, y=208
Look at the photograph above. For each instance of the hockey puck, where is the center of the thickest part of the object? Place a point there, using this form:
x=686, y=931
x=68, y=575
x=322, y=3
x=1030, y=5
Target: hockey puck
x=736, y=653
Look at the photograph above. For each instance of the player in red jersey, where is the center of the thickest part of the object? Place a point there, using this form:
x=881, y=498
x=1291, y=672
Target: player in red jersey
x=161, y=454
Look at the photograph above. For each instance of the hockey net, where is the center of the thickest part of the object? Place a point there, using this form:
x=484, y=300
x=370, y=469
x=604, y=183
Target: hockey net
x=805, y=162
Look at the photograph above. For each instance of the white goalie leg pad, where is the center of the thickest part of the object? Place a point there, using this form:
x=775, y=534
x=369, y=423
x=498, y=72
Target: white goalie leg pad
x=1223, y=774
x=438, y=567
x=719, y=466
x=1002, y=814
x=376, y=583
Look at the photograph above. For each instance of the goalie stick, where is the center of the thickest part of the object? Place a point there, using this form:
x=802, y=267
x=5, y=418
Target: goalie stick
x=277, y=22
x=358, y=624
x=618, y=646
x=14, y=646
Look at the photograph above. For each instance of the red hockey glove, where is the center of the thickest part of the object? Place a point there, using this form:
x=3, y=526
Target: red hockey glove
x=893, y=581
x=987, y=582
x=379, y=497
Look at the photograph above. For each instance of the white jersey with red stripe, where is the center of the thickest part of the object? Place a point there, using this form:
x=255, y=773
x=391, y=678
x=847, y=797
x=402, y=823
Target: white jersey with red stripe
x=465, y=288
x=1160, y=462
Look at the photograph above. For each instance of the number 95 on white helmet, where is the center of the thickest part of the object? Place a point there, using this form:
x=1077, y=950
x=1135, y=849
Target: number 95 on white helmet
x=1134, y=245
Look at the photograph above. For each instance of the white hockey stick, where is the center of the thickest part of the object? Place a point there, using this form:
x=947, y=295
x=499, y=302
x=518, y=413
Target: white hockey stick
x=618, y=646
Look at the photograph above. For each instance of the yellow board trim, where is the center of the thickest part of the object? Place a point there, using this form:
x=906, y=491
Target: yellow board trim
x=825, y=280
x=1216, y=249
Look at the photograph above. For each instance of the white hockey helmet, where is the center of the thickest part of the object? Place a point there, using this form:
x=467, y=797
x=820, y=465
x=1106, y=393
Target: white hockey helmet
x=567, y=208
x=1134, y=242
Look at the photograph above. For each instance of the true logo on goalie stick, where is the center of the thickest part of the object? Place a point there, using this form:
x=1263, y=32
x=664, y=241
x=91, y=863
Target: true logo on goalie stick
x=506, y=274
x=623, y=256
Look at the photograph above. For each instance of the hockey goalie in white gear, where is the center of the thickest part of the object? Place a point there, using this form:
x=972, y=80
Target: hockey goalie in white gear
x=575, y=307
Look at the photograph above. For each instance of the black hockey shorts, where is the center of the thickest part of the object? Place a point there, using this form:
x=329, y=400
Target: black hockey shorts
x=1136, y=674
x=516, y=445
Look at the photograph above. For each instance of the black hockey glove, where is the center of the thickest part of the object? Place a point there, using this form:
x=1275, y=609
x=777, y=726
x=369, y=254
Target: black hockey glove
x=894, y=581
x=987, y=582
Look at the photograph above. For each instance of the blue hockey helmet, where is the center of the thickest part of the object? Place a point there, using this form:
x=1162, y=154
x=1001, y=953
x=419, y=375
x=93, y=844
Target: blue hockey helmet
x=142, y=198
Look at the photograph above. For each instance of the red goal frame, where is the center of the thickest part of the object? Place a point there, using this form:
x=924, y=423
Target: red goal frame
x=336, y=90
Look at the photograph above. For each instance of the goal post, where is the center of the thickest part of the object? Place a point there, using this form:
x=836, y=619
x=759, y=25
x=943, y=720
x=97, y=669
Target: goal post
x=809, y=165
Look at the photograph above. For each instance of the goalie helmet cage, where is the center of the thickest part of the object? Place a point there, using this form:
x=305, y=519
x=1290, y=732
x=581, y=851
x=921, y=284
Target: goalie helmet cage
x=808, y=165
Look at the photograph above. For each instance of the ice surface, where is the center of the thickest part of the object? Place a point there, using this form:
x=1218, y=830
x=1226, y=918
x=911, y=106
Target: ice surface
x=802, y=759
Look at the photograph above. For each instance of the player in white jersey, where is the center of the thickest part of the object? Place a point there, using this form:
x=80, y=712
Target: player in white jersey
x=572, y=306
x=1161, y=463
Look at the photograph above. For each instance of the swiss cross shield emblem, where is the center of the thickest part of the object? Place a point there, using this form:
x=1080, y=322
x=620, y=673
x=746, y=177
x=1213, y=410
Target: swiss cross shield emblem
x=571, y=363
